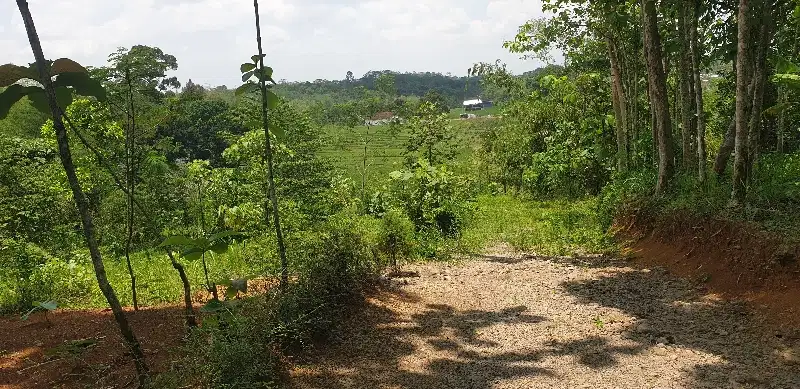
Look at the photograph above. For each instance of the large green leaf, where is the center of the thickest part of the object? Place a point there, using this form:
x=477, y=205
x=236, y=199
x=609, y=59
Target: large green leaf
x=783, y=65
x=246, y=76
x=38, y=99
x=9, y=97
x=248, y=87
x=219, y=247
x=256, y=57
x=63, y=97
x=83, y=84
x=49, y=305
x=272, y=99
x=66, y=65
x=192, y=254
x=789, y=80
x=178, y=240
x=10, y=73
x=246, y=67
x=776, y=109
x=213, y=306
x=266, y=74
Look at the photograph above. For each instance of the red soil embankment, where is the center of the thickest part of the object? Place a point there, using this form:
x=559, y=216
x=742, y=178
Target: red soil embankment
x=731, y=259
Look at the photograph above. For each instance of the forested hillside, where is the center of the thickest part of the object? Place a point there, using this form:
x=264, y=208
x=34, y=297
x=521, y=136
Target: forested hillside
x=628, y=218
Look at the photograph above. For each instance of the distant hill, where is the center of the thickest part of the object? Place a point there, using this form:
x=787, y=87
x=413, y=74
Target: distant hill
x=407, y=84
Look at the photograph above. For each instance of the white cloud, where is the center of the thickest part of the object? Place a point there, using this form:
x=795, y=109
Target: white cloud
x=304, y=39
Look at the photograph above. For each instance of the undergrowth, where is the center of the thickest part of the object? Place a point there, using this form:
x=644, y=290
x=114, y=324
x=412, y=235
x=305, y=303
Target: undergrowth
x=772, y=202
x=550, y=227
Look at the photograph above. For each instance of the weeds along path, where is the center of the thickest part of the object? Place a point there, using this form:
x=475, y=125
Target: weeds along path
x=505, y=321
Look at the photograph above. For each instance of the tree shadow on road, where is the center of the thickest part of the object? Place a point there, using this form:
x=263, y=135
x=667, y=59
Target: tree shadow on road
x=440, y=347
x=671, y=311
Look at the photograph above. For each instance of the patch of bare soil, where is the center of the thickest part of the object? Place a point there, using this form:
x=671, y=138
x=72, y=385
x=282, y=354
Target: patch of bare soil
x=84, y=349
x=512, y=321
x=731, y=259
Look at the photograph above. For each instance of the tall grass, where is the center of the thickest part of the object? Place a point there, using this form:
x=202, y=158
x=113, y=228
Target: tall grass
x=553, y=227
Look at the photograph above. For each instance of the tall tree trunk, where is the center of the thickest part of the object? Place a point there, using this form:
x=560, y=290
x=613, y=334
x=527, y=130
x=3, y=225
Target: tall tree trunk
x=659, y=98
x=687, y=93
x=781, y=130
x=80, y=199
x=739, y=190
x=273, y=198
x=619, y=102
x=130, y=141
x=698, y=90
x=759, y=85
x=725, y=149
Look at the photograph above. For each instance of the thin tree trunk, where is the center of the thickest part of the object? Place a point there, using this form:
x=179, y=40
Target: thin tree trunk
x=129, y=146
x=659, y=102
x=273, y=199
x=725, y=149
x=687, y=93
x=781, y=130
x=80, y=199
x=620, y=106
x=739, y=190
x=698, y=92
x=759, y=86
x=190, y=321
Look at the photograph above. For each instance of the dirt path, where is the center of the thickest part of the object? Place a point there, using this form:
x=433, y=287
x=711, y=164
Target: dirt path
x=519, y=322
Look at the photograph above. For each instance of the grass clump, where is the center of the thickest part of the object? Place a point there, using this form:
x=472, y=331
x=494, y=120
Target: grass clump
x=550, y=227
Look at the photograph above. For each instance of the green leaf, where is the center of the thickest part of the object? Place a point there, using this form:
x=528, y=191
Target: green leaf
x=776, y=109
x=219, y=247
x=66, y=65
x=246, y=67
x=49, y=305
x=177, y=240
x=192, y=254
x=789, y=80
x=63, y=97
x=783, y=65
x=213, y=306
x=272, y=99
x=257, y=57
x=202, y=242
x=9, y=97
x=83, y=84
x=231, y=292
x=10, y=73
x=266, y=74
x=248, y=75
x=247, y=88
x=38, y=99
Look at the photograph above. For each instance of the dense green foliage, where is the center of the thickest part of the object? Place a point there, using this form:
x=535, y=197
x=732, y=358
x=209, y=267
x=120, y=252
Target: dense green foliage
x=374, y=171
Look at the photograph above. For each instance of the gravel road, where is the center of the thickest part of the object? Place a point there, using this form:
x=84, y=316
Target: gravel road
x=517, y=321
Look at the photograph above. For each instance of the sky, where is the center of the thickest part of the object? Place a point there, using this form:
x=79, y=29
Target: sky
x=304, y=40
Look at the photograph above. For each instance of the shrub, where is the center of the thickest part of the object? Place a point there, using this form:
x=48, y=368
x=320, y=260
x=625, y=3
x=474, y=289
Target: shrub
x=243, y=344
x=397, y=235
x=433, y=197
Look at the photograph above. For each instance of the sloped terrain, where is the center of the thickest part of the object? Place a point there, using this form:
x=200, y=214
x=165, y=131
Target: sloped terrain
x=512, y=321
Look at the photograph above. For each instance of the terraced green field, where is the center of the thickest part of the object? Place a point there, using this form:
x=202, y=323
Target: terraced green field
x=384, y=148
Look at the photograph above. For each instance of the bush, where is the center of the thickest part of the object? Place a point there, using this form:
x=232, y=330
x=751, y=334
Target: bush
x=244, y=344
x=397, y=235
x=433, y=198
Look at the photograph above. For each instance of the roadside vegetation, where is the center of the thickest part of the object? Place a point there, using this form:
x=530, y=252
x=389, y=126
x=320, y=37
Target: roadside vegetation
x=267, y=212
